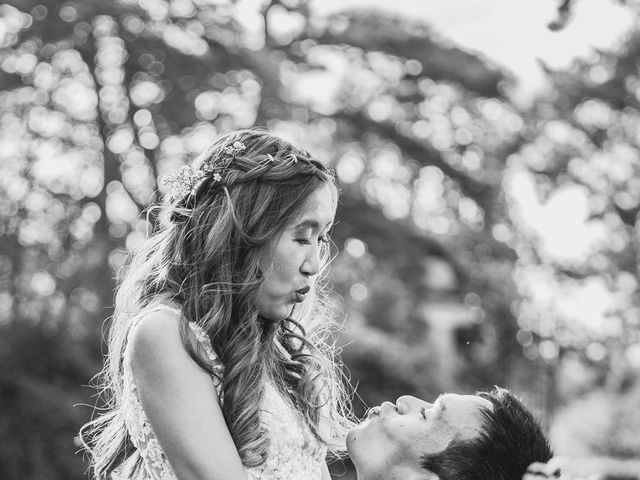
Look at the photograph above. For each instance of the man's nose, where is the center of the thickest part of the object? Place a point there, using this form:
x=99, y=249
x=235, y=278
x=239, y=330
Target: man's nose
x=407, y=403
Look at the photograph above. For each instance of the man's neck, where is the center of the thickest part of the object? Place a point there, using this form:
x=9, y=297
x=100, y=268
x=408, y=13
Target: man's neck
x=399, y=472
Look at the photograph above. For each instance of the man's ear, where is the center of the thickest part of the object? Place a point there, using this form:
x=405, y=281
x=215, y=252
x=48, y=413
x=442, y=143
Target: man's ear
x=431, y=476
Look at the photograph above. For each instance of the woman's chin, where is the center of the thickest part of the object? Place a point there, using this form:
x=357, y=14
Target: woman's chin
x=279, y=314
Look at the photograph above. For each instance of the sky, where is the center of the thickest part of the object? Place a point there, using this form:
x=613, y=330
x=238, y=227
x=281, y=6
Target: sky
x=512, y=33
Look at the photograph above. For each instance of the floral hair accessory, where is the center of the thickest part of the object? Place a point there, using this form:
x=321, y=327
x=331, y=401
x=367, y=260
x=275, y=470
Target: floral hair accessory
x=234, y=149
x=183, y=182
x=186, y=179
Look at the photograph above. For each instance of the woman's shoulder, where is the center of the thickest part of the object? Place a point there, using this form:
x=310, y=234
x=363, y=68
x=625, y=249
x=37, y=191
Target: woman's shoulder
x=157, y=341
x=155, y=336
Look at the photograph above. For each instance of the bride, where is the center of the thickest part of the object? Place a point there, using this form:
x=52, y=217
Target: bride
x=219, y=365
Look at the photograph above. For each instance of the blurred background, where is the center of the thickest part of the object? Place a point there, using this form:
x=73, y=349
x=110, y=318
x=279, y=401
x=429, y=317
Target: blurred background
x=489, y=225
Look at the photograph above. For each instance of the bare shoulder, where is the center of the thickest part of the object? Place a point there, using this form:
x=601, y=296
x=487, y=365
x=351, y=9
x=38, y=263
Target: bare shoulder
x=156, y=340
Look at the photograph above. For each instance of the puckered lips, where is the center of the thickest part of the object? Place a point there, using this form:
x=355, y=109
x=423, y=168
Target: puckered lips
x=301, y=294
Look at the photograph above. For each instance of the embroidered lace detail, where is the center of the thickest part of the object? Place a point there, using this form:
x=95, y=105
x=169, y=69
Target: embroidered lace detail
x=294, y=453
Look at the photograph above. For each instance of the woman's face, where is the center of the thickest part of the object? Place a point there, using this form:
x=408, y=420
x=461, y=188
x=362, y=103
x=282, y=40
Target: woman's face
x=293, y=259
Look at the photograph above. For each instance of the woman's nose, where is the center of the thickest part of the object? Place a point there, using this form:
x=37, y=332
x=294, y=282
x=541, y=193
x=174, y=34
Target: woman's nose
x=311, y=264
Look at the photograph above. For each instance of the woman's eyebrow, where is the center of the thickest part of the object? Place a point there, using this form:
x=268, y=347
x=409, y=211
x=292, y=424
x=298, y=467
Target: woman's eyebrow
x=312, y=224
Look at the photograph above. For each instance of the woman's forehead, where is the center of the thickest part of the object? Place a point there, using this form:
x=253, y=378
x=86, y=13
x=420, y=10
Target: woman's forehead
x=319, y=209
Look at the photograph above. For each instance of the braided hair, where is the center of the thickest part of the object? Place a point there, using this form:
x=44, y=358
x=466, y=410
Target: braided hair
x=263, y=157
x=205, y=256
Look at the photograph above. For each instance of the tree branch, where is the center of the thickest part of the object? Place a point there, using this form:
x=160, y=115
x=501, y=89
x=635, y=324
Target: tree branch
x=388, y=238
x=421, y=152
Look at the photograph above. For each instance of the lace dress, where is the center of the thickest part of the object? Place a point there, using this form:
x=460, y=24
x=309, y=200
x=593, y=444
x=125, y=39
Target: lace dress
x=294, y=452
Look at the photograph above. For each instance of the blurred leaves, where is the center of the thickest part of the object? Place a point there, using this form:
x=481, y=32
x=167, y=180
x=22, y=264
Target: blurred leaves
x=614, y=433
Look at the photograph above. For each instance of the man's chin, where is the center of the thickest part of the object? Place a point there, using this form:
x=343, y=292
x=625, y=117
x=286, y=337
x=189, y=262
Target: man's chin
x=351, y=436
x=356, y=432
x=357, y=447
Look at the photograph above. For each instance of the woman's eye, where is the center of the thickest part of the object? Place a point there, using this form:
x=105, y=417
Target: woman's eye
x=321, y=240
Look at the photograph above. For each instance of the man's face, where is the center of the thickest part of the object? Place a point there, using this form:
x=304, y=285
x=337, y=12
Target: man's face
x=393, y=438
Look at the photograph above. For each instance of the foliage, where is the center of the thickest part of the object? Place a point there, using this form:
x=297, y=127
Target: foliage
x=613, y=434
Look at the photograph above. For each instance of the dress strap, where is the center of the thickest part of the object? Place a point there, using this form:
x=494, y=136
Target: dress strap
x=165, y=306
x=215, y=364
x=147, y=310
x=203, y=339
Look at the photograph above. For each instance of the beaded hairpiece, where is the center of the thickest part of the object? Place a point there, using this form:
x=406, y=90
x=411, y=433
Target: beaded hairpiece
x=187, y=179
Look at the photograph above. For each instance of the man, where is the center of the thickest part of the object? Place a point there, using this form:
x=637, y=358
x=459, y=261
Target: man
x=488, y=436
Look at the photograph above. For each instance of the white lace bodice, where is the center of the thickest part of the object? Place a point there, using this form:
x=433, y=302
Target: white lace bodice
x=294, y=453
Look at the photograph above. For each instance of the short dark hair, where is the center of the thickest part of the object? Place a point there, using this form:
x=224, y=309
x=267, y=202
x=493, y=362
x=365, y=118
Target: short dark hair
x=510, y=440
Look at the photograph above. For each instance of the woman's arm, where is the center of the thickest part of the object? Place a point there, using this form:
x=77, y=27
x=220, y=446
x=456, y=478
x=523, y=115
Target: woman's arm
x=181, y=403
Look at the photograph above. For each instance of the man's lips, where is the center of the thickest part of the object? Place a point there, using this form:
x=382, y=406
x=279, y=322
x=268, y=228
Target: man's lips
x=373, y=412
x=381, y=410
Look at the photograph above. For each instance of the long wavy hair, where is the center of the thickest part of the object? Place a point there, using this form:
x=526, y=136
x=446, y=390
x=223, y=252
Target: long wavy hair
x=204, y=256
